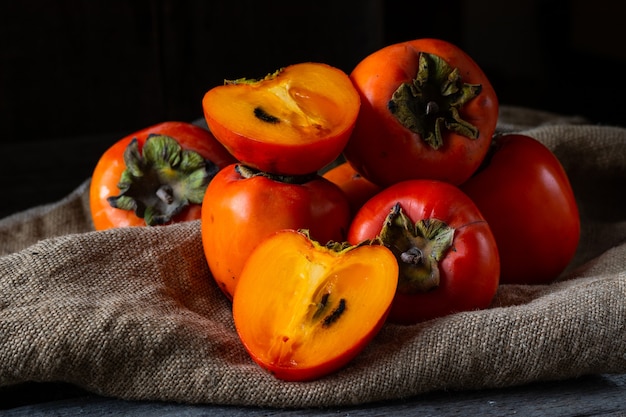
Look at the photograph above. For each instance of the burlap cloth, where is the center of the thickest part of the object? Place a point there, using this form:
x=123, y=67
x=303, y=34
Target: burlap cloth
x=134, y=313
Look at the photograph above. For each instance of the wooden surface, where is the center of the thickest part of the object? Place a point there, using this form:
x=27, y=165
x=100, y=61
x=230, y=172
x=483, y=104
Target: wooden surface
x=56, y=168
x=602, y=395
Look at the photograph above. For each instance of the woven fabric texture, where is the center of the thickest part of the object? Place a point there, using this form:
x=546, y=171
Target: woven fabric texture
x=134, y=313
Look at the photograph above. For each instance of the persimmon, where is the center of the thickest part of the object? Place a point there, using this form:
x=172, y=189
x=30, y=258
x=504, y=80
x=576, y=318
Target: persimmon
x=292, y=122
x=525, y=195
x=243, y=206
x=356, y=187
x=156, y=175
x=428, y=111
x=303, y=310
x=446, y=252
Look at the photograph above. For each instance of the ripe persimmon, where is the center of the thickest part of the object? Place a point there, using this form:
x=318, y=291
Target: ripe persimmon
x=154, y=176
x=428, y=111
x=356, y=187
x=447, y=255
x=243, y=206
x=525, y=195
x=292, y=122
x=303, y=310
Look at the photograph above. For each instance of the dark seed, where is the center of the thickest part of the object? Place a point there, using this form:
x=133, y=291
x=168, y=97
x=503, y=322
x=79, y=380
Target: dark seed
x=334, y=316
x=264, y=116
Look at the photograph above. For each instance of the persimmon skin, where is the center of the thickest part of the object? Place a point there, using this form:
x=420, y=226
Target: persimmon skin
x=357, y=188
x=292, y=123
x=384, y=151
x=470, y=268
x=110, y=166
x=238, y=213
x=525, y=194
x=304, y=311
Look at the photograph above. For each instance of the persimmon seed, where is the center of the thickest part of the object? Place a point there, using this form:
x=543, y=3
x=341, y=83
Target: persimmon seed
x=334, y=316
x=264, y=116
x=324, y=300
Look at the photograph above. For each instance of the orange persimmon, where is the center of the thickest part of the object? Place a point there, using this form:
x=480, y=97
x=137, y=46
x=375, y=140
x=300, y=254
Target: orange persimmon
x=303, y=310
x=428, y=111
x=292, y=122
x=157, y=175
x=242, y=207
x=356, y=187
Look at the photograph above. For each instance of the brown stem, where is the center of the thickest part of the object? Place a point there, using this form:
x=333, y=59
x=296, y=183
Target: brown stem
x=413, y=256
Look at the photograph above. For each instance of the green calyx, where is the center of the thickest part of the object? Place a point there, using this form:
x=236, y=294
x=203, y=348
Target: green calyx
x=254, y=80
x=418, y=248
x=433, y=100
x=342, y=247
x=162, y=179
x=249, y=172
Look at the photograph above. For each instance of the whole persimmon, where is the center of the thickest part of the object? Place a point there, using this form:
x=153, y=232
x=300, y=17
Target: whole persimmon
x=428, y=111
x=304, y=310
x=155, y=176
x=243, y=206
x=356, y=187
x=525, y=195
x=446, y=252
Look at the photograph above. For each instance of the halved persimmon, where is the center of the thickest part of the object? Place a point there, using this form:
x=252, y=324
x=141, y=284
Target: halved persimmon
x=292, y=122
x=303, y=310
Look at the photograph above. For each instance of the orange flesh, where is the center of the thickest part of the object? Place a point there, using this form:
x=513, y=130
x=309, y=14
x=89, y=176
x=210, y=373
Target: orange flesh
x=310, y=101
x=299, y=307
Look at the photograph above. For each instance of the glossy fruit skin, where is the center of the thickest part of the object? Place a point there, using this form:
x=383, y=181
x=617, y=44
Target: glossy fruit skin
x=304, y=311
x=293, y=122
x=238, y=213
x=470, y=268
x=110, y=166
x=356, y=188
x=386, y=152
x=525, y=195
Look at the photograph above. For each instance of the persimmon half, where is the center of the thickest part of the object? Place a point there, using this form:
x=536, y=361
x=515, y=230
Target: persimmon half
x=292, y=122
x=304, y=310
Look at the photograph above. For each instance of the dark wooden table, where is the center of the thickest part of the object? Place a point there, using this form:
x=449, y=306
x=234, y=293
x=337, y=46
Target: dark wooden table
x=34, y=173
x=601, y=395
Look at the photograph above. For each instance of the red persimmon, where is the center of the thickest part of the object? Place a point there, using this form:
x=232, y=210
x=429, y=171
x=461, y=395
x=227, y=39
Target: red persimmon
x=525, y=195
x=428, y=111
x=243, y=206
x=447, y=256
x=156, y=175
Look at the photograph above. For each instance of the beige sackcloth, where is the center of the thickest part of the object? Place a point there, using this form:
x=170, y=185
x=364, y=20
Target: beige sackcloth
x=134, y=313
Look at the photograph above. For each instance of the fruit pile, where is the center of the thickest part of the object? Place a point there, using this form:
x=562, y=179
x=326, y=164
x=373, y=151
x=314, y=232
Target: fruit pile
x=331, y=203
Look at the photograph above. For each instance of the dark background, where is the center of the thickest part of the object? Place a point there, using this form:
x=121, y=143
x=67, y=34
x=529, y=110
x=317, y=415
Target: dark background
x=79, y=74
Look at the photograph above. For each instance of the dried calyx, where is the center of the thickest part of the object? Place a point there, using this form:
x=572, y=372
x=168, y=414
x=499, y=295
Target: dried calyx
x=433, y=101
x=162, y=179
x=418, y=247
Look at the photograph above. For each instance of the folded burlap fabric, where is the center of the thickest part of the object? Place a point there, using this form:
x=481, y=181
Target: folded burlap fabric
x=134, y=313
